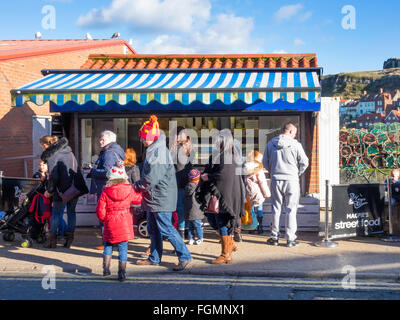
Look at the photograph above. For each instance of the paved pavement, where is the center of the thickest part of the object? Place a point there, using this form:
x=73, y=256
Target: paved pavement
x=369, y=257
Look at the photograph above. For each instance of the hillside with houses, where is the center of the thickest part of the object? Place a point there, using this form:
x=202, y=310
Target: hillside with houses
x=369, y=109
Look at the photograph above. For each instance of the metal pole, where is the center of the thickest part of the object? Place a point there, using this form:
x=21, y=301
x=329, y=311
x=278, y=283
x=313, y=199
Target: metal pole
x=390, y=237
x=325, y=242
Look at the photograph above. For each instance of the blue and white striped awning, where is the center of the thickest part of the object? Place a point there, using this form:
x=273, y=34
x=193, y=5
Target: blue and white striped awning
x=141, y=87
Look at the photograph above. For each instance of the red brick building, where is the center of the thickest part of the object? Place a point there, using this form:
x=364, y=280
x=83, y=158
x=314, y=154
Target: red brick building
x=21, y=62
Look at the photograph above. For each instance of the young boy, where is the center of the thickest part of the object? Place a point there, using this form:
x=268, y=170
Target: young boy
x=193, y=214
x=113, y=210
x=42, y=172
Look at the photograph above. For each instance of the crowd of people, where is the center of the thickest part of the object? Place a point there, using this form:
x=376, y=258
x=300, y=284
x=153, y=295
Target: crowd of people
x=167, y=182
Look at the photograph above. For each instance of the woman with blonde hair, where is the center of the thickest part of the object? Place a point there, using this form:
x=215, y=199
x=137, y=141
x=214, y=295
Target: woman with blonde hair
x=63, y=172
x=257, y=189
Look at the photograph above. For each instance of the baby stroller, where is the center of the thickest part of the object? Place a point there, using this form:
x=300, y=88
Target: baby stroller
x=28, y=217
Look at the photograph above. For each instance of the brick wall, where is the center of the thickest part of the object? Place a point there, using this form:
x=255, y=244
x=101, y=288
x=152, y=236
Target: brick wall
x=16, y=122
x=312, y=136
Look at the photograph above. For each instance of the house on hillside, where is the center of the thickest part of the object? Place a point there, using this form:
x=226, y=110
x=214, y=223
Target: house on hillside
x=368, y=119
x=393, y=116
x=21, y=62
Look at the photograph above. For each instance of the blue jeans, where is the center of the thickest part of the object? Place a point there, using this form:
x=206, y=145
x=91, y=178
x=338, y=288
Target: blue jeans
x=57, y=214
x=219, y=222
x=159, y=225
x=195, y=225
x=258, y=211
x=180, y=210
x=122, y=250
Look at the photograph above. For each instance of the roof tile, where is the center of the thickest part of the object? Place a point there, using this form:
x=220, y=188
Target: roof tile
x=216, y=61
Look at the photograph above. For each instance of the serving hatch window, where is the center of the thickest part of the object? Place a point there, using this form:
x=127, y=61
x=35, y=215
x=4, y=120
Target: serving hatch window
x=253, y=132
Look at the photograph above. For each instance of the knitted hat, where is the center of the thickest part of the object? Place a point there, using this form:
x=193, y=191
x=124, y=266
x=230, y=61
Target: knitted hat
x=150, y=129
x=194, y=175
x=117, y=172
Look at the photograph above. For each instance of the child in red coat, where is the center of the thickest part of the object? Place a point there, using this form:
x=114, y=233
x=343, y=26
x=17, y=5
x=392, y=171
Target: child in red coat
x=113, y=210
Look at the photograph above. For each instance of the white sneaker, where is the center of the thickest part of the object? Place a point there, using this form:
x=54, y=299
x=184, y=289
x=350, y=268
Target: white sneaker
x=191, y=242
x=199, y=241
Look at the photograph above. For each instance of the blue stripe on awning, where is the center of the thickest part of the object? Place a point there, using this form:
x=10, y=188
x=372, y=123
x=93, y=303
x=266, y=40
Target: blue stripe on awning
x=284, y=80
x=169, y=86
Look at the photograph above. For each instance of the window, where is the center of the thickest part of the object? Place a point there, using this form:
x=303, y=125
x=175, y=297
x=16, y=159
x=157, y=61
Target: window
x=253, y=131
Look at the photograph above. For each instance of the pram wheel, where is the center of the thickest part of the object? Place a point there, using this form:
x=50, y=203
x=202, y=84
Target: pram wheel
x=9, y=236
x=41, y=239
x=27, y=243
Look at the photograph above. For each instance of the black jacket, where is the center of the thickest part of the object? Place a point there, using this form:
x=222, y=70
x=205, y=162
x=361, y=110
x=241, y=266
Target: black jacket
x=225, y=182
x=108, y=157
x=133, y=173
x=63, y=168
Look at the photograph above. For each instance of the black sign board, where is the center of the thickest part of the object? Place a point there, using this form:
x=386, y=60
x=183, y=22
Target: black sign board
x=357, y=210
x=14, y=191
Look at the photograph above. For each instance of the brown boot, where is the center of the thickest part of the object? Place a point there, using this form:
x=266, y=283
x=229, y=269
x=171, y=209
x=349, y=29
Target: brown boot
x=51, y=241
x=234, y=246
x=225, y=256
x=69, y=237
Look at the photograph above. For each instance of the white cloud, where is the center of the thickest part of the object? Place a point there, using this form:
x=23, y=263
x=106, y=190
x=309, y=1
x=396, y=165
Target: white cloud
x=286, y=12
x=150, y=15
x=229, y=34
x=292, y=11
x=299, y=42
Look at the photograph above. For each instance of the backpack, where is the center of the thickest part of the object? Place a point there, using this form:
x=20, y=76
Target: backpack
x=40, y=207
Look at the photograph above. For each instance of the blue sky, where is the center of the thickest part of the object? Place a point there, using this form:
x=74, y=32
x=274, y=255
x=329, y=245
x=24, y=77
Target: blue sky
x=221, y=26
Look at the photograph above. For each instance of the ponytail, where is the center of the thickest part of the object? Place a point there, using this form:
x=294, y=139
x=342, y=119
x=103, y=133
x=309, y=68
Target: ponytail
x=49, y=140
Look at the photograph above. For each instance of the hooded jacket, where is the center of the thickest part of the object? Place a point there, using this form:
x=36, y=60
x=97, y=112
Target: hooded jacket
x=108, y=157
x=257, y=188
x=113, y=210
x=62, y=167
x=158, y=182
x=285, y=158
x=191, y=206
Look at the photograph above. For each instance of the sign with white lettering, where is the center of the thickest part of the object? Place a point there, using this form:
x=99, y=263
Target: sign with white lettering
x=357, y=210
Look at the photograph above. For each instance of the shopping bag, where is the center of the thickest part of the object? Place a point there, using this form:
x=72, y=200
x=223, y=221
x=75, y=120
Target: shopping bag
x=246, y=219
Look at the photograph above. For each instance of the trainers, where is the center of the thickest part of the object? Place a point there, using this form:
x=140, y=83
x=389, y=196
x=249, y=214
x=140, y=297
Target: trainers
x=273, y=242
x=191, y=242
x=293, y=243
x=181, y=265
x=199, y=241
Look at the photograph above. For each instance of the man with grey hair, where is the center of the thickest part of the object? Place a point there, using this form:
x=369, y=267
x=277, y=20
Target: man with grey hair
x=286, y=161
x=111, y=152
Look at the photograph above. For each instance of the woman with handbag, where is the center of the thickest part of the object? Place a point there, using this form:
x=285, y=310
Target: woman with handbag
x=65, y=185
x=222, y=194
